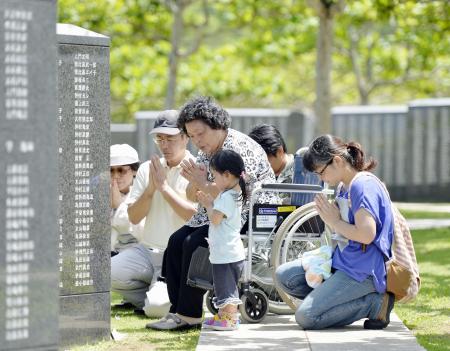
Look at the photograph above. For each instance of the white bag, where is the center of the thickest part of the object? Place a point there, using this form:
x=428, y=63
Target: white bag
x=157, y=302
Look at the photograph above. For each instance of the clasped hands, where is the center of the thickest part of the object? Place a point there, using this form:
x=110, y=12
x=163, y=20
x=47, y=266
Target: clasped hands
x=158, y=176
x=195, y=173
x=329, y=212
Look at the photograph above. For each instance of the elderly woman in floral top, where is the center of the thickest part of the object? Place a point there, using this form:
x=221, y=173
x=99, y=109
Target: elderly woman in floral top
x=207, y=124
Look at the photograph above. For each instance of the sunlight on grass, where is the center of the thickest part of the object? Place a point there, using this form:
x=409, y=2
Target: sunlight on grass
x=138, y=337
x=429, y=316
x=425, y=215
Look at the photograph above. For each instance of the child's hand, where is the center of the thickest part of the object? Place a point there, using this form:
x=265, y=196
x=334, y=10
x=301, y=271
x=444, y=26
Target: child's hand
x=205, y=199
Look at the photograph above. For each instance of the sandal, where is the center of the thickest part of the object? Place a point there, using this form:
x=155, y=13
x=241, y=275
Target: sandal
x=172, y=322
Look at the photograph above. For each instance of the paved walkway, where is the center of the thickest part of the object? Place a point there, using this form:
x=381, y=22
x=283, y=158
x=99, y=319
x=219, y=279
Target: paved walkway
x=428, y=223
x=423, y=207
x=281, y=333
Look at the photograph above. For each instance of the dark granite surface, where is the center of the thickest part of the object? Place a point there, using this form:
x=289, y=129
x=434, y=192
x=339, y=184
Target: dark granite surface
x=84, y=227
x=84, y=318
x=28, y=175
x=84, y=168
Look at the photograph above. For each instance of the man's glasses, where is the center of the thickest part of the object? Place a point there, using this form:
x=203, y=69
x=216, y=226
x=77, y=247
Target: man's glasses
x=325, y=167
x=169, y=140
x=120, y=170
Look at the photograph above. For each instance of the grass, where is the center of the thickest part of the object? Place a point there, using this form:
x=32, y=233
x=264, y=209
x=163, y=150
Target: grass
x=428, y=317
x=425, y=215
x=140, y=338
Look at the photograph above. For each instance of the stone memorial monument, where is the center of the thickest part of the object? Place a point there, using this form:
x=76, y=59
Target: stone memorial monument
x=84, y=227
x=28, y=176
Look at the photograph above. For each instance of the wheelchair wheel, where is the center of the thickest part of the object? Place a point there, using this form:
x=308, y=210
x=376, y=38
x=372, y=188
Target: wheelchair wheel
x=254, y=313
x=209, y=304
x=303, y=230
x=262, y=279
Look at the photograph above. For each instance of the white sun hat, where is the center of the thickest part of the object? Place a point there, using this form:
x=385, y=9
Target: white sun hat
x=122, y=154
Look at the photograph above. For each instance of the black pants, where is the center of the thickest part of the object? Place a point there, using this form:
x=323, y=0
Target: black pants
x=185, y=300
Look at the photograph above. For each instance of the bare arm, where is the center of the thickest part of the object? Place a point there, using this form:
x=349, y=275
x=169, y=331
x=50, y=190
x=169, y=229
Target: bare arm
x=182, y=207
x=208, y=187
x=364, y=229
x=215, y=217
x=139, y=209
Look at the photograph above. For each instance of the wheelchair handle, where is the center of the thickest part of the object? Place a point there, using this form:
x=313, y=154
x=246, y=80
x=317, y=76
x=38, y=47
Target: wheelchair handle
x=292, y=187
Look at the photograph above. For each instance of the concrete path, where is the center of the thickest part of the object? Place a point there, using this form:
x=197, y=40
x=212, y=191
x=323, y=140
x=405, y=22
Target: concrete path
x=425, y=207
x=428, y=223
x=282, y=333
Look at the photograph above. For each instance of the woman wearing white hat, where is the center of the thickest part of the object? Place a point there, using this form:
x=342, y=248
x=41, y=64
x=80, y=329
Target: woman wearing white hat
x=124, y=163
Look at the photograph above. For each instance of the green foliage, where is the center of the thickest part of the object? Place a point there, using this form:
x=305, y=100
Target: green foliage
x=262, y=53
x=396, y=43
x=428, y=316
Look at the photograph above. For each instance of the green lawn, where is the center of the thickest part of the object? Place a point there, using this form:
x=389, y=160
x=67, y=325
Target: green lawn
x=138, y=338
x=425, y=215
x=429, y=315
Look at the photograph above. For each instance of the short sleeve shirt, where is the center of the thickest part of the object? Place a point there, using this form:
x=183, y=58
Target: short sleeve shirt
x=368, y=193
x=257, y=169
x=162, y=220
x=225, y=244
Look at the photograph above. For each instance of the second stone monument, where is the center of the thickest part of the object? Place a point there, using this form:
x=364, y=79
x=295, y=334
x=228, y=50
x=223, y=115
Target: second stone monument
x=84, y=228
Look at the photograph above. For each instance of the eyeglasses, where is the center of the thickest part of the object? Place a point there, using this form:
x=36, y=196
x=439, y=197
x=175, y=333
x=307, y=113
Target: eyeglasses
x=170, y=140
x=120, y=170
x=324, y=168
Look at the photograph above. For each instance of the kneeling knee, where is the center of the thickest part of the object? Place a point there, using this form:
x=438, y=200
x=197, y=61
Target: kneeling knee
x=279, y=277
x=304, y=318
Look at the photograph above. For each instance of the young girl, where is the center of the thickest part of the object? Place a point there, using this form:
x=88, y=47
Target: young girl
x=357, y=287
x=225, y=245
x=124, y=162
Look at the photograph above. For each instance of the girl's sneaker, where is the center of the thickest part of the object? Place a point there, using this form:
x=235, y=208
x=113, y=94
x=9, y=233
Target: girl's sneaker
x=221, y=323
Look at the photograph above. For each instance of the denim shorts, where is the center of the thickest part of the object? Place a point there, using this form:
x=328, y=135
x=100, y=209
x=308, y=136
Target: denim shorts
x=226, y=277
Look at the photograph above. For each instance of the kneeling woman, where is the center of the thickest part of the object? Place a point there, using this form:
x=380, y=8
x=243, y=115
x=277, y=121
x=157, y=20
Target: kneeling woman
x=357, y=287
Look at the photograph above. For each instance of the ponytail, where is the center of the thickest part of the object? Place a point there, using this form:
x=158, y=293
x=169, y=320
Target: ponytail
x=357, y=158
x=243, y=186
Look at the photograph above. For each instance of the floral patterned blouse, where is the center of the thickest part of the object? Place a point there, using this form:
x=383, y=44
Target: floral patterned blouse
x=257, y=169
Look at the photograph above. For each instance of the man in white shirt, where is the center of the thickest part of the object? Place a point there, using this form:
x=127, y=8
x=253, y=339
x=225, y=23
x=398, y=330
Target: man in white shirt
x=159, y=196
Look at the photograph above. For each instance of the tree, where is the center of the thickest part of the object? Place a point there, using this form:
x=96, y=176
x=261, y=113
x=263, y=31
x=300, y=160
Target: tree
x=392, y=45
x=257, y=53
x=177, y=7
x=326, y=10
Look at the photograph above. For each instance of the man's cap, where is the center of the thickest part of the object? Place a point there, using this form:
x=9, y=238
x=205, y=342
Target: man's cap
x=122, y=154
x=166, y=123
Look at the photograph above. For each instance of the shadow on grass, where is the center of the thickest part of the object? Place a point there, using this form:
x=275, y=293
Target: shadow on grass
x=125, y=321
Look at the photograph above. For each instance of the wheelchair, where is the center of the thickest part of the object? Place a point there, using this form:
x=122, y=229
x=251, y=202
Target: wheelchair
x=276, y=234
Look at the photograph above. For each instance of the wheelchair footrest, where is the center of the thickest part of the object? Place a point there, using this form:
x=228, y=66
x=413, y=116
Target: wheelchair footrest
x=200, y=270
x=200, y=283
